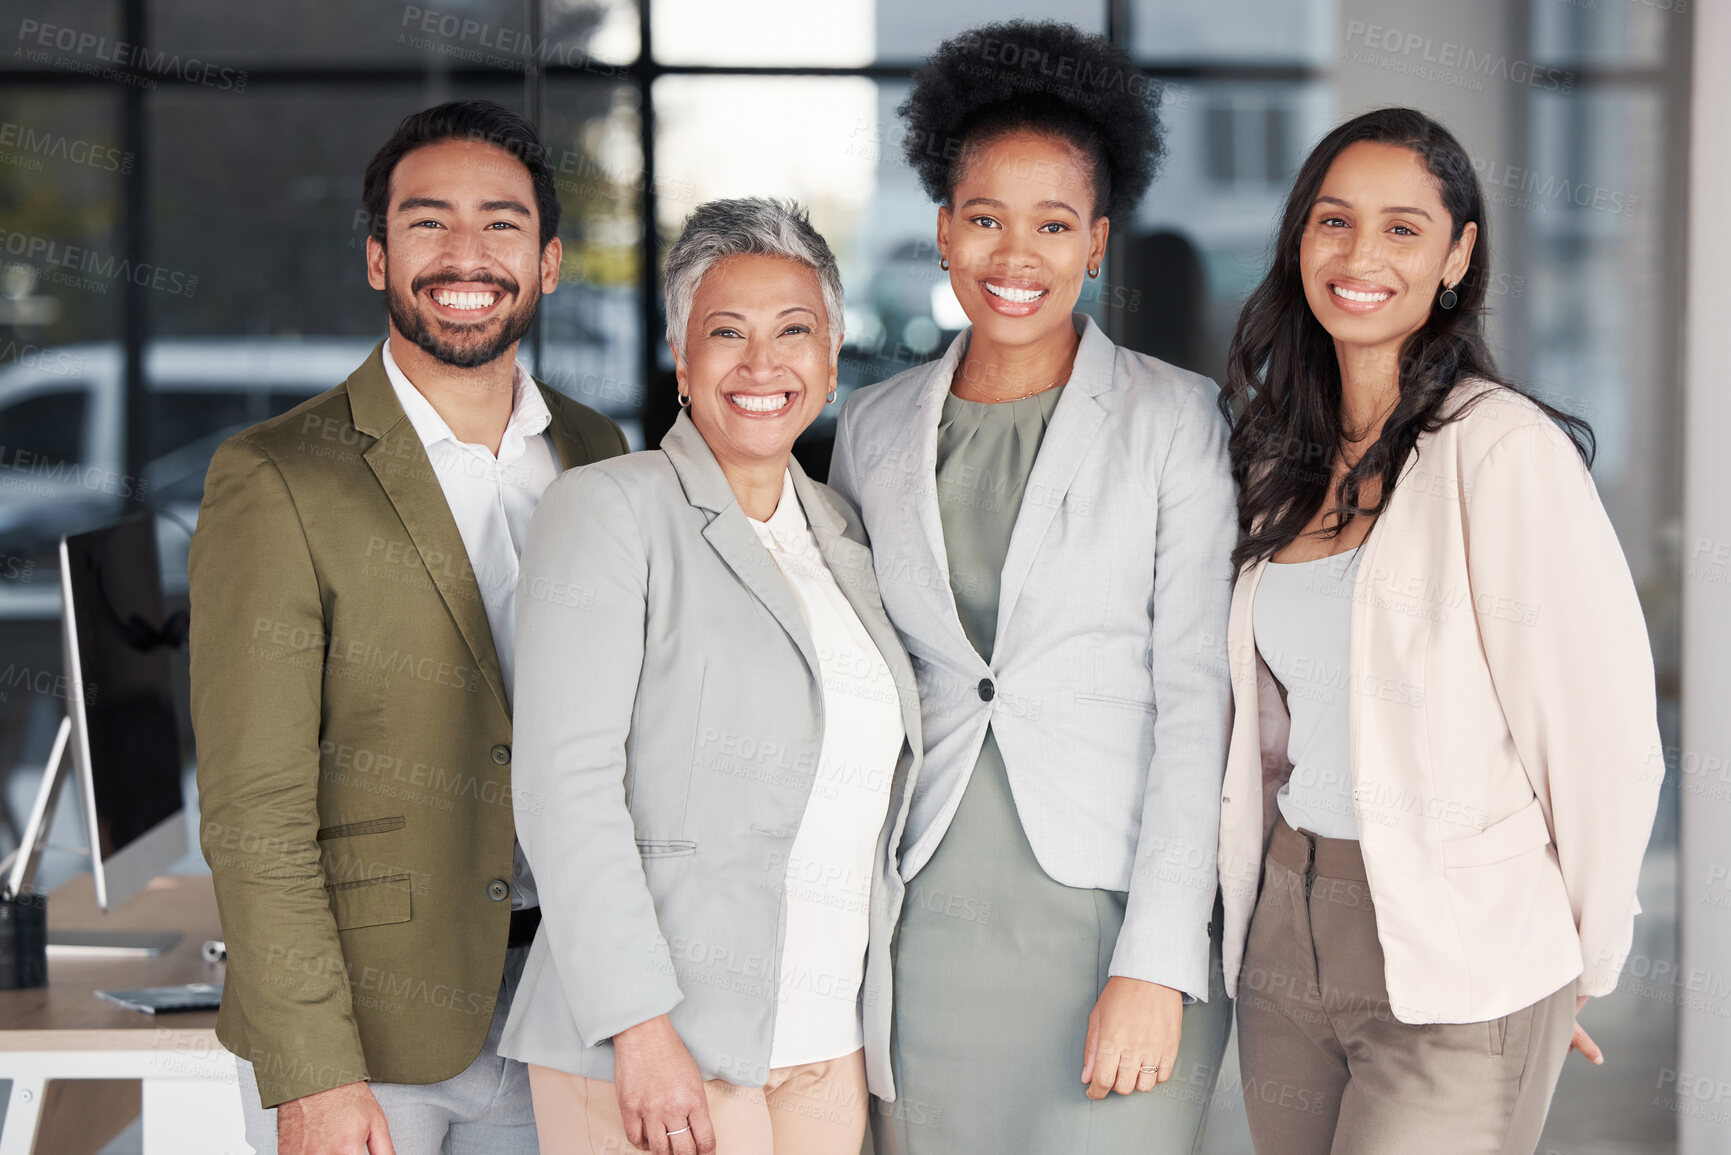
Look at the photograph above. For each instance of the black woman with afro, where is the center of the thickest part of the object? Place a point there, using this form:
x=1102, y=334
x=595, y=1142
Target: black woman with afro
x=1051, y=519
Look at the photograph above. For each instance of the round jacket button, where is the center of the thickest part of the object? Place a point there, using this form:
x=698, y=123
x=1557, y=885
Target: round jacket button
x=501, y=754
x=987, y=690
x=498, y=890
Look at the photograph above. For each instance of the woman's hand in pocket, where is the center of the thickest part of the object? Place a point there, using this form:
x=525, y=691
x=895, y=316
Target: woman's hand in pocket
x=1582, y=1041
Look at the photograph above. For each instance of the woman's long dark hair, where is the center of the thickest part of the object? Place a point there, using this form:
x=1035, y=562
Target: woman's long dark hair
x=1282, y=392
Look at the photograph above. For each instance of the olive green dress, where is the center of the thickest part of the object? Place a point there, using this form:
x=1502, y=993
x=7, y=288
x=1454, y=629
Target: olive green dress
x=997, y=965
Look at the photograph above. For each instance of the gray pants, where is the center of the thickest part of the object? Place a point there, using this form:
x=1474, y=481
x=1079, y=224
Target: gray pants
x=482, y=1110
x=1329, y=1070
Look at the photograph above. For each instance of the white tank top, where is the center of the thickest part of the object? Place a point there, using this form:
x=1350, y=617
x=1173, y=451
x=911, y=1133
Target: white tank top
x=1302, y=620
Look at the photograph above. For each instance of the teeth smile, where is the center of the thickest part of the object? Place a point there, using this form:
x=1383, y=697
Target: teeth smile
x=1356, y=295
x=759, y=403
x=1016, y=296
x=452, y=300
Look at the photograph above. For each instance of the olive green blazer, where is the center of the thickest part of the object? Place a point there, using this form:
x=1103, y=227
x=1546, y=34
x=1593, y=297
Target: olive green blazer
x=354, y=745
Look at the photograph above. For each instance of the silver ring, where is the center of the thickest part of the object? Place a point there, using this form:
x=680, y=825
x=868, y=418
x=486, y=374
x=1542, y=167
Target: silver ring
x=1155, y=1070
x=681, y=1131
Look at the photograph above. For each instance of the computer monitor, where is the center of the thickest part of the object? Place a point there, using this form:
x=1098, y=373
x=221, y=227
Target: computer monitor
x=120, y=697
x=120, y=730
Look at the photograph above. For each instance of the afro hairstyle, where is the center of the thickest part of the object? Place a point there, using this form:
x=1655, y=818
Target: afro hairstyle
x=1046, y=77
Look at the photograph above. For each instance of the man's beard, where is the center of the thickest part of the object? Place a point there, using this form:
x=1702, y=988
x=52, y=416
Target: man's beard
x=407, y=317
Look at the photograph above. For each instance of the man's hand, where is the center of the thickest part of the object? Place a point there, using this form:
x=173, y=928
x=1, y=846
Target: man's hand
x=344, y=1120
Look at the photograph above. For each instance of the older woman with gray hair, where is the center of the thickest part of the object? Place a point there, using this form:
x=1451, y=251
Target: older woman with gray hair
x=716, y=739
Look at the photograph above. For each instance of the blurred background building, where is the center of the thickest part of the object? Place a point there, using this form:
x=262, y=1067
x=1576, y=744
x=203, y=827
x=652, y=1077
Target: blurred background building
x=181, y=243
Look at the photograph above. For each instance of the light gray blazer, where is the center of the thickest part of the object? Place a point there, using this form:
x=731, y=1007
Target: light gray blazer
x=1108, y=682
x=669, y=714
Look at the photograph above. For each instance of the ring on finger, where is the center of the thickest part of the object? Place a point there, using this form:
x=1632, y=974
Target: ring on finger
x=681, y=1131
x=1154, y=1070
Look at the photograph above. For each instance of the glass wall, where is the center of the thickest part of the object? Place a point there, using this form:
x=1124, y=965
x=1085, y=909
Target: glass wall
x=181, y=255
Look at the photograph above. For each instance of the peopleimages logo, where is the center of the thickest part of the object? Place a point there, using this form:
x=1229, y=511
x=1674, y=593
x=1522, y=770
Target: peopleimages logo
x=37, y=475
x=57, y=146
x=1410, y=52
x=42, y=39
x=65, y=260
x=1058, y=70
x=1537, y=192
x=460, y=37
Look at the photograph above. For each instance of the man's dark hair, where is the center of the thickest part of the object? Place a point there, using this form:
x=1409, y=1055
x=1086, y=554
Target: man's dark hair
x=476, y=120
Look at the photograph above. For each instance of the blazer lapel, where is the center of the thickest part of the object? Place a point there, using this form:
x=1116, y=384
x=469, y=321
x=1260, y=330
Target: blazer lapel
x=850, y=563
x=730, y=533
x=1074, y=423
x=399, y=460
x=923, y=496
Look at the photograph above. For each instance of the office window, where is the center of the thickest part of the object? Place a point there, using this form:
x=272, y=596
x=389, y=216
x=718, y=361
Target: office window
x=1599, y=203
x=63, y=168
x=435, y=34
x=54, y=39
x=588, y=342
x=1268, y=32
x=839, y=34
x=47, y=428
x=1249, y=141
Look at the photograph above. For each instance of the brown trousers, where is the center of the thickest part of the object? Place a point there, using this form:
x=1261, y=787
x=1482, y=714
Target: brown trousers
x=1329, y=1070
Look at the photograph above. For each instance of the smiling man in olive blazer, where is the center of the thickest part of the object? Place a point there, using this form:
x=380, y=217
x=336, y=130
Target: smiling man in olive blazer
x=351, y=676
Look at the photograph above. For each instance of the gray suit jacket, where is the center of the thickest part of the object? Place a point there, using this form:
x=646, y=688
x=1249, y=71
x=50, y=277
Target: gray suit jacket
x=1108, y=688
x=669, y=714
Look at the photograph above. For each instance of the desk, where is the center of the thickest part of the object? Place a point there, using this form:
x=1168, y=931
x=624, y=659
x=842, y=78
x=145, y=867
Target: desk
x=62, y=1031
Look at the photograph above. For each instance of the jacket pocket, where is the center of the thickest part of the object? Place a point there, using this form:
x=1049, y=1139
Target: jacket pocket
x=1520, y=832
x=371, y=901
x=665, y=849
x=1110, y=700
x=370, y=826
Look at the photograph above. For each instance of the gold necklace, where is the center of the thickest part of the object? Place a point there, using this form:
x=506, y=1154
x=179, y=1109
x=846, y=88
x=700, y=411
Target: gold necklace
x=1022, y=396
x=1041, y=389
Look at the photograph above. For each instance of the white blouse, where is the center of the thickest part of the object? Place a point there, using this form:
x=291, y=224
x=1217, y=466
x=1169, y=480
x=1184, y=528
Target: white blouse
x=492, y=497
x=834, y=855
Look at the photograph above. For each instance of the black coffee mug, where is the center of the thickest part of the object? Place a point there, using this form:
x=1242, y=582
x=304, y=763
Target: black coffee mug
x=23, y=940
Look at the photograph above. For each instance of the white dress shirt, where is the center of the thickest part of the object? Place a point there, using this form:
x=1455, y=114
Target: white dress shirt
x=829, y=869
x=491, y=498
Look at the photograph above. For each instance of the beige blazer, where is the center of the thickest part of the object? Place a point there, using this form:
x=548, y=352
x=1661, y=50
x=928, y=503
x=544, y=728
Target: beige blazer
x=1502, y=725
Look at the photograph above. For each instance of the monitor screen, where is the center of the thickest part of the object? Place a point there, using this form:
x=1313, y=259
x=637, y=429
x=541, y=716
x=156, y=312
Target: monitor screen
x=120, y=689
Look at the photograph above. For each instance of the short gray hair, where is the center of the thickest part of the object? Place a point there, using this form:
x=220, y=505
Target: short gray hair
x=747, y=226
